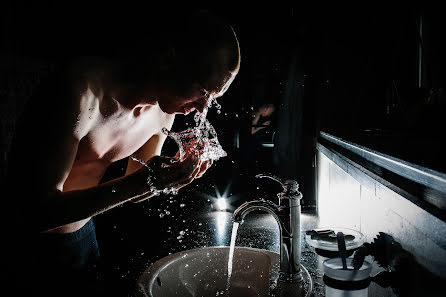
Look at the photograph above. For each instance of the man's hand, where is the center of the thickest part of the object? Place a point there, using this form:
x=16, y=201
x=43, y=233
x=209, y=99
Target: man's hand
x=166, y=172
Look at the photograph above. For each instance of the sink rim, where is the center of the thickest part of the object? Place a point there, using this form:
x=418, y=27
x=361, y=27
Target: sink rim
x=147, y=278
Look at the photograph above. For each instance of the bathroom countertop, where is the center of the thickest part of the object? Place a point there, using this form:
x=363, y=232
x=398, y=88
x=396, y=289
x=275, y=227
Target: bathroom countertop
x=176, y=226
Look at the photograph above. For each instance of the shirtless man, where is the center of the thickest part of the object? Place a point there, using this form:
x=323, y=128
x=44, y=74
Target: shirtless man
x=102, y=109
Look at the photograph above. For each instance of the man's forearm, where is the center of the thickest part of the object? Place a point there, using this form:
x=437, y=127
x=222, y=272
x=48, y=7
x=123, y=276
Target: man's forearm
x=71, y=206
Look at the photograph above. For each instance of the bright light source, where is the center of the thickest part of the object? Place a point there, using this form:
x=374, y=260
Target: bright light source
x=221, y=204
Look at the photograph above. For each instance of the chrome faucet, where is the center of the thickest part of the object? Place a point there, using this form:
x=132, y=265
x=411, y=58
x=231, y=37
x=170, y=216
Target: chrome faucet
x=287, y=215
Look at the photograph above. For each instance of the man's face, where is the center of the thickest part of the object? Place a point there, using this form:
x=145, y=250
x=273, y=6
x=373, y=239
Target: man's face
x=195, y=98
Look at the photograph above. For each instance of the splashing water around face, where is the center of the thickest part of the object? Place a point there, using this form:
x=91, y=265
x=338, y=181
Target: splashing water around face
x=201, y=140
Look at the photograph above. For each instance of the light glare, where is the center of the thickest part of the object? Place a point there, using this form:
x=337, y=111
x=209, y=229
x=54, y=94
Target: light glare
x=221, y=204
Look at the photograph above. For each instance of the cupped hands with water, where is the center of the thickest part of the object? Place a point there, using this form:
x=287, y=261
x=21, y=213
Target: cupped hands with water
x=167, y=175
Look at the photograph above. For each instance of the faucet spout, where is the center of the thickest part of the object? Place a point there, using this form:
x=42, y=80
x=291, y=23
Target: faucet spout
x=264, y=205
x=288, y=219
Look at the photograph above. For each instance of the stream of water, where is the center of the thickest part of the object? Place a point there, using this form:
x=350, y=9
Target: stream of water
x=231, y=254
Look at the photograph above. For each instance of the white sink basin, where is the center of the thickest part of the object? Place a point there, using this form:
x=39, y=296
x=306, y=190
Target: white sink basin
x=204, y=272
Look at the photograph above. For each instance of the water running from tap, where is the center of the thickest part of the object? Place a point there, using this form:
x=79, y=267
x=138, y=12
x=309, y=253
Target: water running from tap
x=231, y=252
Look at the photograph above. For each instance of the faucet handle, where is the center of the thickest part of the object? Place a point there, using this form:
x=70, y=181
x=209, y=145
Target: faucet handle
x=291, y=186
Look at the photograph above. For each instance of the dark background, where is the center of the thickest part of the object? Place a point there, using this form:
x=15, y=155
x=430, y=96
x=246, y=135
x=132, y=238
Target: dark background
x=353, y=72
x=349, y=71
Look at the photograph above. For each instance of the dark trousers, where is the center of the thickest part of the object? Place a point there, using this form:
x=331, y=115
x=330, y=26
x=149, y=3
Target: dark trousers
x=66, y=264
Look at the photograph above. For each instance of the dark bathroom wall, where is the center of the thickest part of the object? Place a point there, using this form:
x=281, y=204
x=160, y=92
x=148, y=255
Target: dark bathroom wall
x=356, y=71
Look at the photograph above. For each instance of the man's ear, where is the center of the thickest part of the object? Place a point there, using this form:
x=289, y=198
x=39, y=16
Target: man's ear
x=167, y=59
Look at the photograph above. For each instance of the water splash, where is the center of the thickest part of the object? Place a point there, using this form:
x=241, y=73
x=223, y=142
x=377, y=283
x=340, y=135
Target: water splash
x=153, y=189
x=200, y=140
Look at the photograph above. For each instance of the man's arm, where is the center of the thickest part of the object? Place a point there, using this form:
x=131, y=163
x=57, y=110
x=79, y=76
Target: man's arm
x=48, y=205
x=255, y=121
x=56, y=207
x=44, y=153
x=151, y=148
